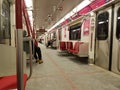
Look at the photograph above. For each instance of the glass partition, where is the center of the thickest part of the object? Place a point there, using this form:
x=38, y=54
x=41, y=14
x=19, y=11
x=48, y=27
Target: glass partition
x=5, y=34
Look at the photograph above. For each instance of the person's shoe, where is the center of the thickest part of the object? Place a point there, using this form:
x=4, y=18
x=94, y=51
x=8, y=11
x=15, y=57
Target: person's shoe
x=40, y=61
x=37, y=61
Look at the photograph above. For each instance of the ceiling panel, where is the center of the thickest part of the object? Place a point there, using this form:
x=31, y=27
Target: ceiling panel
x=47, y=12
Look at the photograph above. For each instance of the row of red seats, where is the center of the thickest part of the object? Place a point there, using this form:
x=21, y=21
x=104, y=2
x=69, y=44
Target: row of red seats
x=69, y=47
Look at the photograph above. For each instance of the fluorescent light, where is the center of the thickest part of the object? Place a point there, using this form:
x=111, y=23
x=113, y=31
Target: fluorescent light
x=75, y=10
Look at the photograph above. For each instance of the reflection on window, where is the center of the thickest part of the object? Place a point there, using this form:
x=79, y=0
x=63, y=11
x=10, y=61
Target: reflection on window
x=102, y=26
x=5, y=22
x=75, y=32
x=118, y=24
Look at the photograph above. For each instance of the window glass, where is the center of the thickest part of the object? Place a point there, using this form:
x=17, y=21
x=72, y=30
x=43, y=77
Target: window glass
x=59, y=33
x=5, y=22
x=54, y=36
x=118, y=24
x=102, y=26
x=75, y=32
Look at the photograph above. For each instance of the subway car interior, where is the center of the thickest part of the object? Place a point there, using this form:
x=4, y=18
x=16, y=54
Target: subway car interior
x=60, y=45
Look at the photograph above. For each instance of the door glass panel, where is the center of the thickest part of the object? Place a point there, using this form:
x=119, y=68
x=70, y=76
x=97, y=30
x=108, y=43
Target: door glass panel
x=59, y=33
x=5, y=22
x=54, y=36
x=118, y=24
x=102, y=26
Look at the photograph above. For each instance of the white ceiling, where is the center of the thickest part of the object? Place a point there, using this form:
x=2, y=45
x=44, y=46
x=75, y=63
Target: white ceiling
x=46, y=12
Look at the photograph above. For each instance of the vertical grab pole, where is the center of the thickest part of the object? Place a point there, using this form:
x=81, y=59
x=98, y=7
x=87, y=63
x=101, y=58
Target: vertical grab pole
x=19, y=45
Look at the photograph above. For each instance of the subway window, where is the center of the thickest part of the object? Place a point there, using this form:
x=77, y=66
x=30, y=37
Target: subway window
x=102, y=26
x=5, y=35
x=118, y=24
x=54, y=36
x=59, y=33
x=75, y=32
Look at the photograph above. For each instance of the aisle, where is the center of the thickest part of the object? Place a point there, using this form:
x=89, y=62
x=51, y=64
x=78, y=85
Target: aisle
x=61, y=71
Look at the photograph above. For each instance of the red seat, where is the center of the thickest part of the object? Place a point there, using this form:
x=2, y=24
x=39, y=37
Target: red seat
x=75, y=50
x=69, y=46
x=62, y=45
x=10, y=82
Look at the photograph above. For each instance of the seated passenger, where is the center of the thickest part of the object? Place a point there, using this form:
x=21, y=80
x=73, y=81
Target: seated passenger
x=49, y=43
x=37, y=53
x=37, y=50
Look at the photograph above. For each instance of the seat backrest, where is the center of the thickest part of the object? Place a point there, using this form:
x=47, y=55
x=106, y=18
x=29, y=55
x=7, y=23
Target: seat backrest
x=69, y=45
x=76, y=46
x=62, y=45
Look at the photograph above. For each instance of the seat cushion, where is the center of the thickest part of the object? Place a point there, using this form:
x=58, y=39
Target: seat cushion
x=10, y=82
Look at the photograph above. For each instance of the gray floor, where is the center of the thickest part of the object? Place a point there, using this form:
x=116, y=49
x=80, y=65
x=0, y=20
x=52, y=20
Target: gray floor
x=61, y=71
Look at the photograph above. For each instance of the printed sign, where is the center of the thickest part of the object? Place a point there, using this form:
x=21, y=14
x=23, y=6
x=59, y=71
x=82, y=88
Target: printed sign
x=86, y=27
